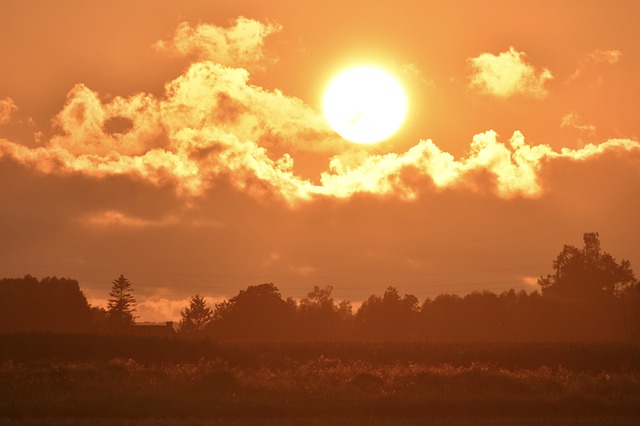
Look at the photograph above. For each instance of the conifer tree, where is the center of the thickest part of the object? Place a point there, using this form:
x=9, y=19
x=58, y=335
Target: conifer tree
x=197, y=316
x=122, y=303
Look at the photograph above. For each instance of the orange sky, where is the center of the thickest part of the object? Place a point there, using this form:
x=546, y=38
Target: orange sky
x=182, y=144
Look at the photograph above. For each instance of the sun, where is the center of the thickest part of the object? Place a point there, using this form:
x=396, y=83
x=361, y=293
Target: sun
x=365, y=104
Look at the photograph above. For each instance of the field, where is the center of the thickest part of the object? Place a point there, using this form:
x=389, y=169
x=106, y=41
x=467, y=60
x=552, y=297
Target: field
x=113, y=380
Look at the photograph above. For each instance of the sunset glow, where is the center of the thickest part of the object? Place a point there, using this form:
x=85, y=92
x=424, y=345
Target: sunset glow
x=201, y=147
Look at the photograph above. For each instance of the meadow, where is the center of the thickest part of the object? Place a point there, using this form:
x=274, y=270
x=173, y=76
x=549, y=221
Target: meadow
x=62, y=379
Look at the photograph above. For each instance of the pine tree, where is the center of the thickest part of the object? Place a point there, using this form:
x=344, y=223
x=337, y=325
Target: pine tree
x=197, y=316
x=121, y=304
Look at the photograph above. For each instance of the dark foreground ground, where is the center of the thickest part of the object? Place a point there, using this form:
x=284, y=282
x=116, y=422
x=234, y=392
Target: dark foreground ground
x=458, y=421
x=78, y=380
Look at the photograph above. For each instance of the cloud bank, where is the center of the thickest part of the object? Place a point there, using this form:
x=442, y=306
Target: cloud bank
x=212, y=124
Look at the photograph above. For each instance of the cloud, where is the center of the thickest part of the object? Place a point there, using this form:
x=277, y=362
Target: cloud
x=593, y=150
x=115, y=218
x=514, y=168
x=161, y=309
x=199, y=151
x=594, y=59
x=83, y=124
x=604, y=56
x=572, y=120
x=508, y=74
x=239, y=45
x=111, y=218
x=213, y=125
x=211, y=122
x=7, y=109
x=211, y=95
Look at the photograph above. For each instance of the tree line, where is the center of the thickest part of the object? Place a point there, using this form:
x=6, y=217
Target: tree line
x=589, y=296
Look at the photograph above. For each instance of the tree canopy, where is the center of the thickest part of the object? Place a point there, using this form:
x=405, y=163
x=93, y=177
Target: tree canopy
x=587, y=272
x=390, y=317
x=51, y=304
x=319, y=317
x=257, y=313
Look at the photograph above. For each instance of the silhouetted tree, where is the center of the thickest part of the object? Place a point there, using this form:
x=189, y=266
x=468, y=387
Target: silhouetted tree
x=593, y=292
x=99, y=317
x=121, y=304
x=51, y=304
x=196, y=317
x=319, y=297
x=320, y=318
x=389, y=317
x=484, y=314
x=345, y=310
x=441, y=318
x=587, y=272
x=631, y=312
x=257, y=313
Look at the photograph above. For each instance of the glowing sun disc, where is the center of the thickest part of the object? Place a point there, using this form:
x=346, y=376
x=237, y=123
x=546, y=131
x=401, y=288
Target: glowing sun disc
x=365, y=105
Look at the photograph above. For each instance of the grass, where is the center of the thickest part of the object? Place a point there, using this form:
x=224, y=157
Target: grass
x=209, y=383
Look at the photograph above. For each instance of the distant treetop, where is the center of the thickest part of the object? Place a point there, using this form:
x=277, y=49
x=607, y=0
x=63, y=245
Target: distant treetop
x=588, y=272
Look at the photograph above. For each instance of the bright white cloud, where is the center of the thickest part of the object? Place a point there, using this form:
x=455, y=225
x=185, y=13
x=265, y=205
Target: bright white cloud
x=81, y=124
x=239, y=45
x=507, y=74
x=212, y=123
x=213, y=95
